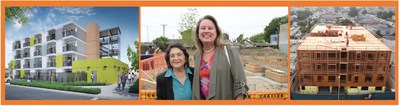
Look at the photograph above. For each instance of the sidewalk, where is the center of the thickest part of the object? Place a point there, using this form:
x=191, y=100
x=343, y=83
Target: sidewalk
x=111, y=92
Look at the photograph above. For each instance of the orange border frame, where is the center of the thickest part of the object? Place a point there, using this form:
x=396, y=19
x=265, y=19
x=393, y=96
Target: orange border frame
x=143, y=3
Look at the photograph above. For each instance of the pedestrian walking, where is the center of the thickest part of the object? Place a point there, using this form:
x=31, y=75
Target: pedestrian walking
x=123, y=80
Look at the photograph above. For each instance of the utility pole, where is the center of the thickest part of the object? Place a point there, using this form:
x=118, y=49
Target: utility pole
x=163, y=29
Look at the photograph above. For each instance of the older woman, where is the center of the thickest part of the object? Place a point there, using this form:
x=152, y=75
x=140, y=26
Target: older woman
x=176, y=82
x=219, y=74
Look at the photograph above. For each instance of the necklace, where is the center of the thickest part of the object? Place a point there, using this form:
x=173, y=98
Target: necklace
x=207, y=51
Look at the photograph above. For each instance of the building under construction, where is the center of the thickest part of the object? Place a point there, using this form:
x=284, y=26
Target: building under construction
x=342, y=59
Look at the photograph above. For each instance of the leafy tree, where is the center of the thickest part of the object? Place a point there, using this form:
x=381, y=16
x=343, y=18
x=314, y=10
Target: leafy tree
x=273, y=27
x=226, y=36
x=241, y=39
x=17, y=13
x=378, y=32
x=385, y=15
x=161, y=42
x=133, y=56
x=301, y=15
x=346, y=22
x=188, y=21
x=257, y=38
x=353, y=12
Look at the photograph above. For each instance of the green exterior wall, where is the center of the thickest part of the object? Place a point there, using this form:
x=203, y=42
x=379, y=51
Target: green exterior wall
x=32, y=41
x=13, y=63
x=22, y=74
x=106, y=68
x=60, y=60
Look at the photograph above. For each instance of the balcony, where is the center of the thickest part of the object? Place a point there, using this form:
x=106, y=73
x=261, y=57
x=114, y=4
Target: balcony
x=27, y=65
x=18, y=46
x=51, y=37
x=26, y=54
x=69, y=33
x=38, y=65
x=26, y=44
x=38, y=40
x=17, y=66
x=51, y=50
x=37, y=53
x=68, y=63
x=17, y=56
x=69, y=47
x=51, y=64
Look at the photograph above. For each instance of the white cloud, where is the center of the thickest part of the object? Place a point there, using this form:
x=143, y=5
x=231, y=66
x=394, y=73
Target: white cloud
x=30, y=13
x=16, y=23
x=9, y=54
x=75, y=10
x=75, y=13
x=44, y=24
x=74, y=18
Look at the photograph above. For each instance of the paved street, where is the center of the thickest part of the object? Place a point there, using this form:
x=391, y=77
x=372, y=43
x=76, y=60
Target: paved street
x=14, y=92
x=109, y=92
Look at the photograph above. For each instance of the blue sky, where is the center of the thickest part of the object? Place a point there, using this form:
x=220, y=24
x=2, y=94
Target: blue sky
x=43, y=18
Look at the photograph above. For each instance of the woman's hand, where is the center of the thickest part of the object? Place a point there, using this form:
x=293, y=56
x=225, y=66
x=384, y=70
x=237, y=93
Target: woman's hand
x=240, y=97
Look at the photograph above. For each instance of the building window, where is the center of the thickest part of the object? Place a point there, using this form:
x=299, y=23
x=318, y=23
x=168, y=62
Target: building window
x=381, y=78
x=356, y=79
x=332, y=67
x=332, y=56
x=318, y=56
x=343, y=78
x=370, y=67
x=343, y=55
x=371, y=56
x=343, y=68
x=368, y=78
x=358, y=56
x=364, y=88
x=318, y=67
x=307, y=78
x=383, y=56
x=378, y=88
x=306, y=67
x=306, y=55
x=331, y=78
x=320, y=78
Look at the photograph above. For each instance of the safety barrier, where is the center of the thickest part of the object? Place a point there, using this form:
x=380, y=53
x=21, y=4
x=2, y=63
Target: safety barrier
x=268, y=95
x=148, y=95
x=252, y=95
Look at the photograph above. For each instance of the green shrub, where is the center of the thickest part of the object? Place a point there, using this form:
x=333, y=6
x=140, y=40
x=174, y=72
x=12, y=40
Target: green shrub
x=85, y=83
x=134, y=88
x=57, y=86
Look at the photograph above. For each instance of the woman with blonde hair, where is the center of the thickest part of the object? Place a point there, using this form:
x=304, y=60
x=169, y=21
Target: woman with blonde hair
x=218, y=72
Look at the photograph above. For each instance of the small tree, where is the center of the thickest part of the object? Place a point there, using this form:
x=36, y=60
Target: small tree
x=17, y=13
x=161, y=42
x=133, y=56
x=353, y=12
x=188, y=21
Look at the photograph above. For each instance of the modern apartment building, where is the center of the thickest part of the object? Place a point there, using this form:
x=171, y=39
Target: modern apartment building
x=49, y=55
x=347, y=58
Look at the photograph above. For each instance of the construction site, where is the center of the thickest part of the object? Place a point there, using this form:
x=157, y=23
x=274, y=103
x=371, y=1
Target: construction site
x=342, y=62
x=265, y=70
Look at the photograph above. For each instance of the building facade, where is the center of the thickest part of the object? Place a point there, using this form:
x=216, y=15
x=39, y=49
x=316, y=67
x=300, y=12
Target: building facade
x=49, y=55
